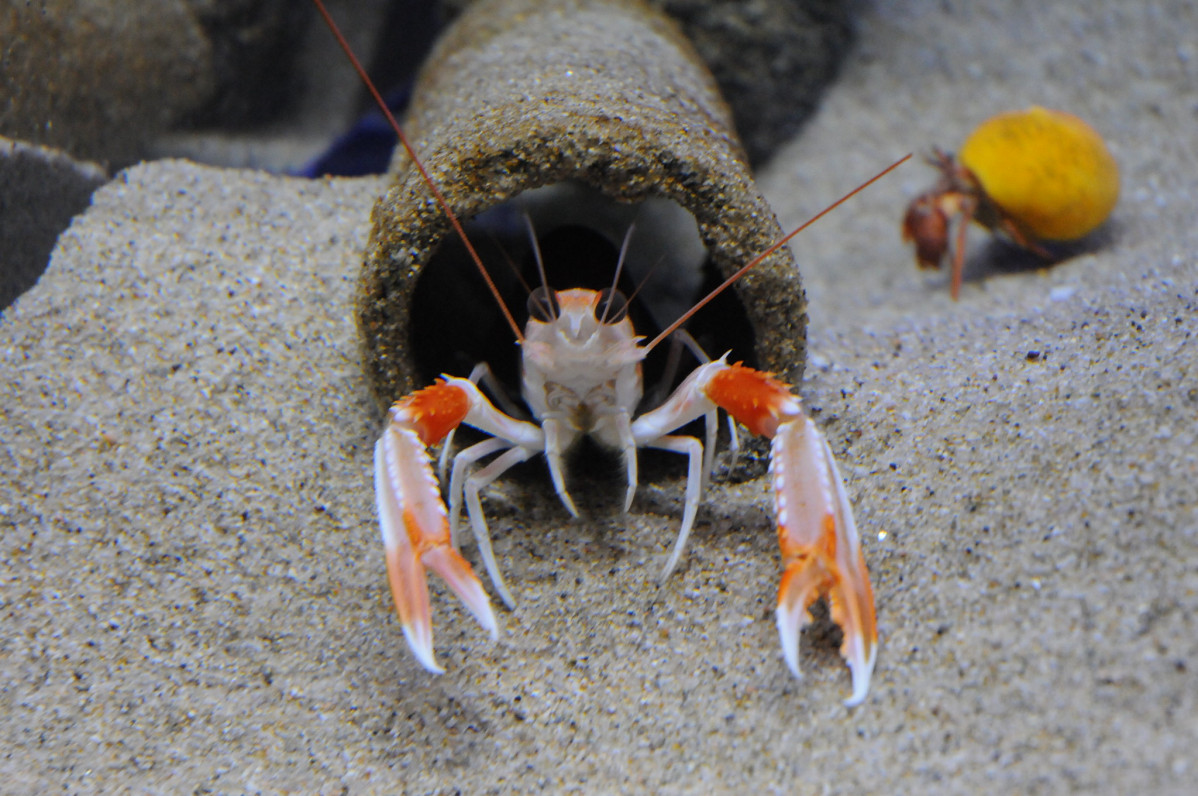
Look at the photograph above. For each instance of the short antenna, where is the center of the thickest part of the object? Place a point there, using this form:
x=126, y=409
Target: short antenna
x=615, y=280
x=536, y=251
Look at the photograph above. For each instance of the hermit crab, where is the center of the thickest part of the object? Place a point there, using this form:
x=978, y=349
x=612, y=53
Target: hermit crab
x=1037, y=176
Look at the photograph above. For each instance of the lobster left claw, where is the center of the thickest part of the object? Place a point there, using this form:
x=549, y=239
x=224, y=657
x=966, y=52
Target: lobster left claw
x=820, y=549
x=413, y=519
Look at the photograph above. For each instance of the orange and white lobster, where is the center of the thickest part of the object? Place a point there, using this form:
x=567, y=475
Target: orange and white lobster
x=581, y=372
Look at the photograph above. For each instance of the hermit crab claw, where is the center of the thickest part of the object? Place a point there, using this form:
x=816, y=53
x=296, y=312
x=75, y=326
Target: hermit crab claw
x=820, y=551
x=415, y=531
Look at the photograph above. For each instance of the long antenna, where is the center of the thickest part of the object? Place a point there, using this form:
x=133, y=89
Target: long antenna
x=686, y=316
x=403, y=139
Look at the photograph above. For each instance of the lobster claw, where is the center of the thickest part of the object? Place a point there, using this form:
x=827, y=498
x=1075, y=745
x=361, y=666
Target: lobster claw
x=415, y=526
x=820, y=550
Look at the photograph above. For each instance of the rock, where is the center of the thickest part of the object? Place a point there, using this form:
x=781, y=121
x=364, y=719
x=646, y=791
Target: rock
x=41, y=190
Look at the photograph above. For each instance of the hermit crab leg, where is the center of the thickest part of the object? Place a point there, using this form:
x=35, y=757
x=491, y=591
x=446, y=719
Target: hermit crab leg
x=965, y=207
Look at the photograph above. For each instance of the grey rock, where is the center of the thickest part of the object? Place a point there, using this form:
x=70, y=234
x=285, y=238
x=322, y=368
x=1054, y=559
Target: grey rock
x=41, y=190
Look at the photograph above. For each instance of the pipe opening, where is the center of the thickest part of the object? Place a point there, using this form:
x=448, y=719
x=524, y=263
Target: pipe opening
x=456, y=324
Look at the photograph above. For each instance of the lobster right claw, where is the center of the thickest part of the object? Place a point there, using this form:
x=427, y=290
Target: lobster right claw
x=820, y=550
x=413, y=520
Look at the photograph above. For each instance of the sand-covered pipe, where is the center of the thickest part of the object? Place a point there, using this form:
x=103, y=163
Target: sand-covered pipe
x=521, y=94
x=771, y=58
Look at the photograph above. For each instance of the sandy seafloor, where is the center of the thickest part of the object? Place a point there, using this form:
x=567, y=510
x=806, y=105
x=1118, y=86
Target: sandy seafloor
x=191, y=588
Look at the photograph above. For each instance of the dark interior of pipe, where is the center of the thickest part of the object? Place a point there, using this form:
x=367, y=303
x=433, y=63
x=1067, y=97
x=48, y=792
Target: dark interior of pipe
x=457, y=324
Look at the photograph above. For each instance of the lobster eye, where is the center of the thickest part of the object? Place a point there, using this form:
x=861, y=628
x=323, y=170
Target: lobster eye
x=612, y=307
x=543, y=306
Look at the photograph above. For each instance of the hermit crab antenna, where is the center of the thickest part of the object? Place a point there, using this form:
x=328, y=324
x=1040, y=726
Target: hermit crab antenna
x=686, y=316
x=403, y=139
x=615, y=280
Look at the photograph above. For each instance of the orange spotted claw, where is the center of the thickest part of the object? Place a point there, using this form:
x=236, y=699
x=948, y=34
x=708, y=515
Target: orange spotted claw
x=820, y=549
x=413, y=519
